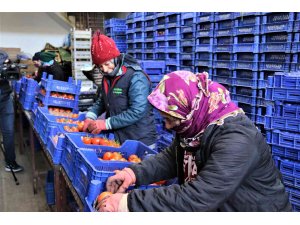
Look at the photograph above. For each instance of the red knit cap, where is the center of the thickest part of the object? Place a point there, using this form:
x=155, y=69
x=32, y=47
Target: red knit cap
x=103, y=49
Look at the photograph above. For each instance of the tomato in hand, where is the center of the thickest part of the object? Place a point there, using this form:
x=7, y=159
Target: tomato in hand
x=103, y=195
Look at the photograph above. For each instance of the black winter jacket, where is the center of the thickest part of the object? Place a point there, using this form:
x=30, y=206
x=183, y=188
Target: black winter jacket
x=235, y=173
x=56, y=70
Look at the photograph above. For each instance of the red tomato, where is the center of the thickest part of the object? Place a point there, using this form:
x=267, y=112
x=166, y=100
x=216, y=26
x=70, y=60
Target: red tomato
x=103, y=195
x=87, y=140
x=117, y=156
x=131, y=157
x=80, y=126
x=107, y=156
x=96, y=141
x=135, y=160
x=74, y=129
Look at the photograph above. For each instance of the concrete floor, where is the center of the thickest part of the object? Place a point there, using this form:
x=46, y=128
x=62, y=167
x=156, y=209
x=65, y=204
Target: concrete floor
x=20, y=198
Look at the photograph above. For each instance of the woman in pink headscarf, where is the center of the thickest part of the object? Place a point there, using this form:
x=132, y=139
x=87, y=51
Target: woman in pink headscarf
x=221, y=160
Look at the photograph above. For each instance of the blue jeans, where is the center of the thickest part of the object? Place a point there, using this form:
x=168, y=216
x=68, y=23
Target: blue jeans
x=7, y=119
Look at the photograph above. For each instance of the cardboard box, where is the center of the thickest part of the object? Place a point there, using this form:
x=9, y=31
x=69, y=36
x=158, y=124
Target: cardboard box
x=12, y=52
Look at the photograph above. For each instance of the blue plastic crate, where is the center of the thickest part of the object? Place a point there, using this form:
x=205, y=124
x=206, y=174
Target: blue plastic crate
x=114, y=22
x=290, y=168
x=155, y=78
x=223, y=32
x=245, y=74
x=295, y=67
x=89, y=167
x=285, y=139
x=286, y=110
x=171, y=68
x=283, y=94
x=276, y=47
x=138, y=16
x=285, y=80
x=205, y=30
x=288, y=153
x=246, y=91
x=49, y=188
x=70, y=87
x=202, y=17
x=204, y=44
x=153, y=66
x=291, y=181
x=223, y=80
x=149, y=15
x=244, y=99
x=277, y=27
x=49, y=100
x=160, y=56
x=173, y=20
x=219, y=16
x=149, y=25
x=116, y=30
x=282, y=123
x=160, y=36
x=254, y=48
x=223, y=72
x=160, y=22
x=172, y=59
x=276, y=57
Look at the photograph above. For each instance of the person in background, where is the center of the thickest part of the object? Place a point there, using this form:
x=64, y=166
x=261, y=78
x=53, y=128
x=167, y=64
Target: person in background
x=36, y=59
x=50, y=66
x=7, y=119
x=222, y=161
x=123, y=97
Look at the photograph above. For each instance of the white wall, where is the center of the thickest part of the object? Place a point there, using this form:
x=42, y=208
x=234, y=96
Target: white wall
x=30, y=31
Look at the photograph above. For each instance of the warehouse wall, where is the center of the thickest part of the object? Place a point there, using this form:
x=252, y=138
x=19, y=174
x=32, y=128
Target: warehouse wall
x=31, y=31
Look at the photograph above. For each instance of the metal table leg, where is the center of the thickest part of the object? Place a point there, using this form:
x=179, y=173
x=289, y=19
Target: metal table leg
x=21, y=142
x=33, y=163
x=60, y=191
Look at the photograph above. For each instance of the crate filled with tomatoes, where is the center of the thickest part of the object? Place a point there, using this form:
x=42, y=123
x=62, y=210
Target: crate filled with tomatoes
x=98, y=162
x=54, y=98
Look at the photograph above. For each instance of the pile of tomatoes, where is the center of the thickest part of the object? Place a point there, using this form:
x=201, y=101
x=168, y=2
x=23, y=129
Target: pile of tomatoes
x=57, y=94
x=78, y=128
x=117, y=156
x=99, y=141
x=56, y=111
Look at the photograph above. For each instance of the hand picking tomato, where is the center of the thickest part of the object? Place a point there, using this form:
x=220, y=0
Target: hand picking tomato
x=103, y=195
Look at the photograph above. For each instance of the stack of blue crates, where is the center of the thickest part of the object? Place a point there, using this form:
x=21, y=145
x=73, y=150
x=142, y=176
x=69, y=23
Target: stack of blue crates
x=59, y=93
x=172, y=41
x=116, y=29
x=283, y=129
x=28, y=92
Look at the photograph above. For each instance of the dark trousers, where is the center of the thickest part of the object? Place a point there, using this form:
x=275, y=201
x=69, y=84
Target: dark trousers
x=7, y=118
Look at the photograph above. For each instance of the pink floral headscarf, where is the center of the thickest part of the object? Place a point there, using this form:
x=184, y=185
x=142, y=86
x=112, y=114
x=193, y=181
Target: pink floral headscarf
x=194, y=99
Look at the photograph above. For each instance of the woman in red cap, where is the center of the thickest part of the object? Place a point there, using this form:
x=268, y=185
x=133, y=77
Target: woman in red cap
x=125, y=88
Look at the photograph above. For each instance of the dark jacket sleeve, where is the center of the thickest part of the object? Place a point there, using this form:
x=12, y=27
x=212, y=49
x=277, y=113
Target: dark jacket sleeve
x=57, y=72
x=232, y=157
